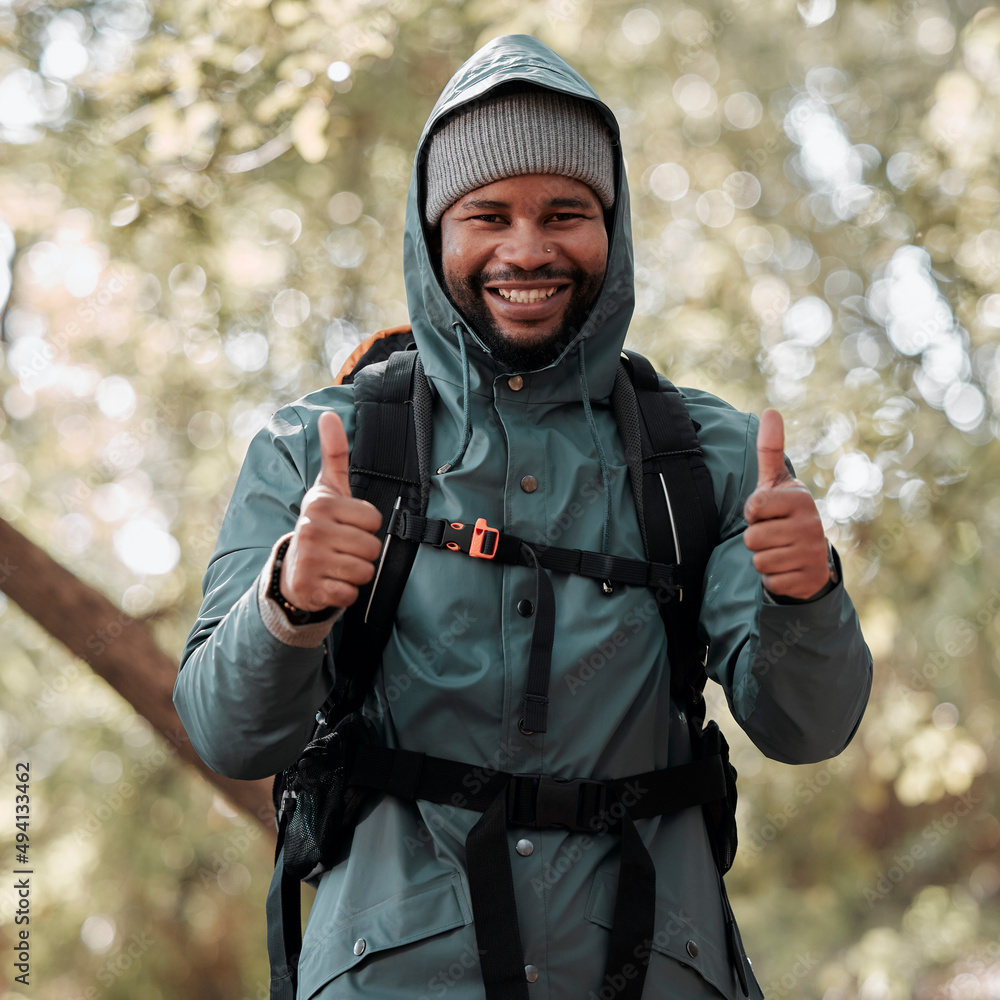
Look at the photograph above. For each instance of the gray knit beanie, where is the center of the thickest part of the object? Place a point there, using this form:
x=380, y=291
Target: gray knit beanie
x=534, y=131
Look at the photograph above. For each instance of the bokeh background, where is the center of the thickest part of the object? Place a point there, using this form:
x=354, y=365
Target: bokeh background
x=201, y=211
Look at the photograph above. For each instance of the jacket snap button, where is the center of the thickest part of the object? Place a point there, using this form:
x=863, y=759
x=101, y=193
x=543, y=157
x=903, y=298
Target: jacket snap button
x=524, y=848
x=359, y=946
x=529, y=484
x=692, y=949
x=525, y=608
x=515, y=382
x=530, y=973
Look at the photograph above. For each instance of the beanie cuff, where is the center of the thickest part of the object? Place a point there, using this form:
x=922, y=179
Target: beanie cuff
x=534, y=131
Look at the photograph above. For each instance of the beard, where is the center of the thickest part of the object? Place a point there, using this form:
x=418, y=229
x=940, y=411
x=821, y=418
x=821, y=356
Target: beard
x=469, y=295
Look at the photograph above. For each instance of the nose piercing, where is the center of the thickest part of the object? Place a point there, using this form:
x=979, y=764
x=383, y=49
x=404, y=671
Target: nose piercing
x=547, y=250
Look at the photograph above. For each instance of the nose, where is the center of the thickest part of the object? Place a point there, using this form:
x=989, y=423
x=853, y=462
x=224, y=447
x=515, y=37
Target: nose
x=526, y=247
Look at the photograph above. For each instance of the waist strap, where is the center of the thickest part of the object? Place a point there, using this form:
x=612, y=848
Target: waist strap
x=542, y=802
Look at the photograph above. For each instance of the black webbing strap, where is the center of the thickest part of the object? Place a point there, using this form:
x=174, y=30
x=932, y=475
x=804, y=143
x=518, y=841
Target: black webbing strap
x=494, y=909
x=543, y=802
x=284, y=923
x=534, y=800
x=635, y=915
x=538, y=801
x=502, y=547
x=681, y=522
x=680, y=515
x=535, y=705
x=481, y=541
x=384, y=471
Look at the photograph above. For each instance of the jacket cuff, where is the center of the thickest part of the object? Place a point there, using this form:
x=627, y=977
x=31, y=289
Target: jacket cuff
x=274, y=618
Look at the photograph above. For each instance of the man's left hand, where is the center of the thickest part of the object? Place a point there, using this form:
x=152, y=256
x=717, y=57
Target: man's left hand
x=785, y=530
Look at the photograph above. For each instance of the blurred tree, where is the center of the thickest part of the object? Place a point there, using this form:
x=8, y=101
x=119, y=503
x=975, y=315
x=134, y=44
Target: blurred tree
x=116, y=647
x=202, y=215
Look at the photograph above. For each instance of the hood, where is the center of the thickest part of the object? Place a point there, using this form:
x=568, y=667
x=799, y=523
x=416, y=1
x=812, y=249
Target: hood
x=433, y=316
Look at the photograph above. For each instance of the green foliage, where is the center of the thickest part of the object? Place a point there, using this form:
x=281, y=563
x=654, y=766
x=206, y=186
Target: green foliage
x=202, y=206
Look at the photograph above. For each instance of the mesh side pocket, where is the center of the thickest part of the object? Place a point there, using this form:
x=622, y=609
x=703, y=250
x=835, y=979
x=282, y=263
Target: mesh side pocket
x=326, y=807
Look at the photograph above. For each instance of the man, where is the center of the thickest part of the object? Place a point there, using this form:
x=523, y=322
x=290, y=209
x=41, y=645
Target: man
x=518, y=265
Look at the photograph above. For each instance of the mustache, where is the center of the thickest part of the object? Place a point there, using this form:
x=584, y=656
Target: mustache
x=514, y=274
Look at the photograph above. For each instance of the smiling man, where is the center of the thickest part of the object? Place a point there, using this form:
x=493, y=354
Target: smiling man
x=554, y=688
x=524, y=258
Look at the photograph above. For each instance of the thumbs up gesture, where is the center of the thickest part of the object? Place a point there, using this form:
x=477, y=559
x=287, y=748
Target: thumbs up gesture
x=785, y=531
x=334, y=547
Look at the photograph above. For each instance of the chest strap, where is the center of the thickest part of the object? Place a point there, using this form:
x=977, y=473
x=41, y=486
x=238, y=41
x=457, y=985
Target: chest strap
x=543, y=802
x=480, y=541
x=483, y=542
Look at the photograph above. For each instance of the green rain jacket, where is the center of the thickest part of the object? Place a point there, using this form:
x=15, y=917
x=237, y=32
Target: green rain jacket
x=796, y=677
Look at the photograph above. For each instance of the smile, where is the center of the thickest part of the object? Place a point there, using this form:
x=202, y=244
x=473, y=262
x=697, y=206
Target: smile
x=527, y=294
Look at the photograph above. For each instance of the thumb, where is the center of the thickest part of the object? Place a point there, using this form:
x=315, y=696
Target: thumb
x=771, y=469
x=336, y=457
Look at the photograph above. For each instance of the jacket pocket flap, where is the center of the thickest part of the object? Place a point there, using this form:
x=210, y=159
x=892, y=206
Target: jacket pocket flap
x=418, y=912
x=674, y=935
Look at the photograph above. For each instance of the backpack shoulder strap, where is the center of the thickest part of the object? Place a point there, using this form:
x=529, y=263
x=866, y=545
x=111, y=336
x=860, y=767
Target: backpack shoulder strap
x=390, y=469
x=676, y=507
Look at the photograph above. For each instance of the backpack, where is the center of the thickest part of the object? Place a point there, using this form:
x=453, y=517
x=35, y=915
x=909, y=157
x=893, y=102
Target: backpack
x=390, y=467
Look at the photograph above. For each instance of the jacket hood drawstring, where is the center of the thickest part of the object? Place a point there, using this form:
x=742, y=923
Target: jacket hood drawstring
x=466, y=408
x=605, y=477
x=591, y=423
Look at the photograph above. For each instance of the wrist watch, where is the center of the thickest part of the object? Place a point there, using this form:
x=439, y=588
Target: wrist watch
x=295, y=616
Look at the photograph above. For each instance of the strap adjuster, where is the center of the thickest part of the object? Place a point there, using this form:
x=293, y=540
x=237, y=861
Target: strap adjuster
x=478, y=540
x=542, y=802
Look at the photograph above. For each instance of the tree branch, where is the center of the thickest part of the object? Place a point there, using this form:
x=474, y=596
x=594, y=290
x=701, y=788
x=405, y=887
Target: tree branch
x=117, y=647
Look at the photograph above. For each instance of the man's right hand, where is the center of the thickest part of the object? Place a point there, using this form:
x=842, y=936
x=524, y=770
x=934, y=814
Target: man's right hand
x=335, y=546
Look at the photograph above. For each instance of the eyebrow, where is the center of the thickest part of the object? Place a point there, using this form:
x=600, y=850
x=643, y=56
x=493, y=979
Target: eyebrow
x=485, y=204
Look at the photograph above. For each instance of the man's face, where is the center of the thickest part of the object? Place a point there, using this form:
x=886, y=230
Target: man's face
x=524, y=258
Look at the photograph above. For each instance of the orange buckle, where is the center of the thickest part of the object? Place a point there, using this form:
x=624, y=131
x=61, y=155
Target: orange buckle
x=479, y=536
x=479, y=540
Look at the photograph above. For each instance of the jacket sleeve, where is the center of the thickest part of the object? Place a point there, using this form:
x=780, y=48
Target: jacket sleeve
x=797, y=676
x=246, y=692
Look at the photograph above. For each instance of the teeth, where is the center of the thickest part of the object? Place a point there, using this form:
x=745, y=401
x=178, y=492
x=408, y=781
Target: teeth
x=528, y=295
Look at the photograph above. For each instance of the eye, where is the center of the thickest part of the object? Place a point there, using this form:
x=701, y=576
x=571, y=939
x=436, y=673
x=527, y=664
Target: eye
x=489, y=219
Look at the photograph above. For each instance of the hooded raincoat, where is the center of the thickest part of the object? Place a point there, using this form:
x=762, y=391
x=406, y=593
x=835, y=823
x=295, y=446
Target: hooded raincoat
x=394, y=920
